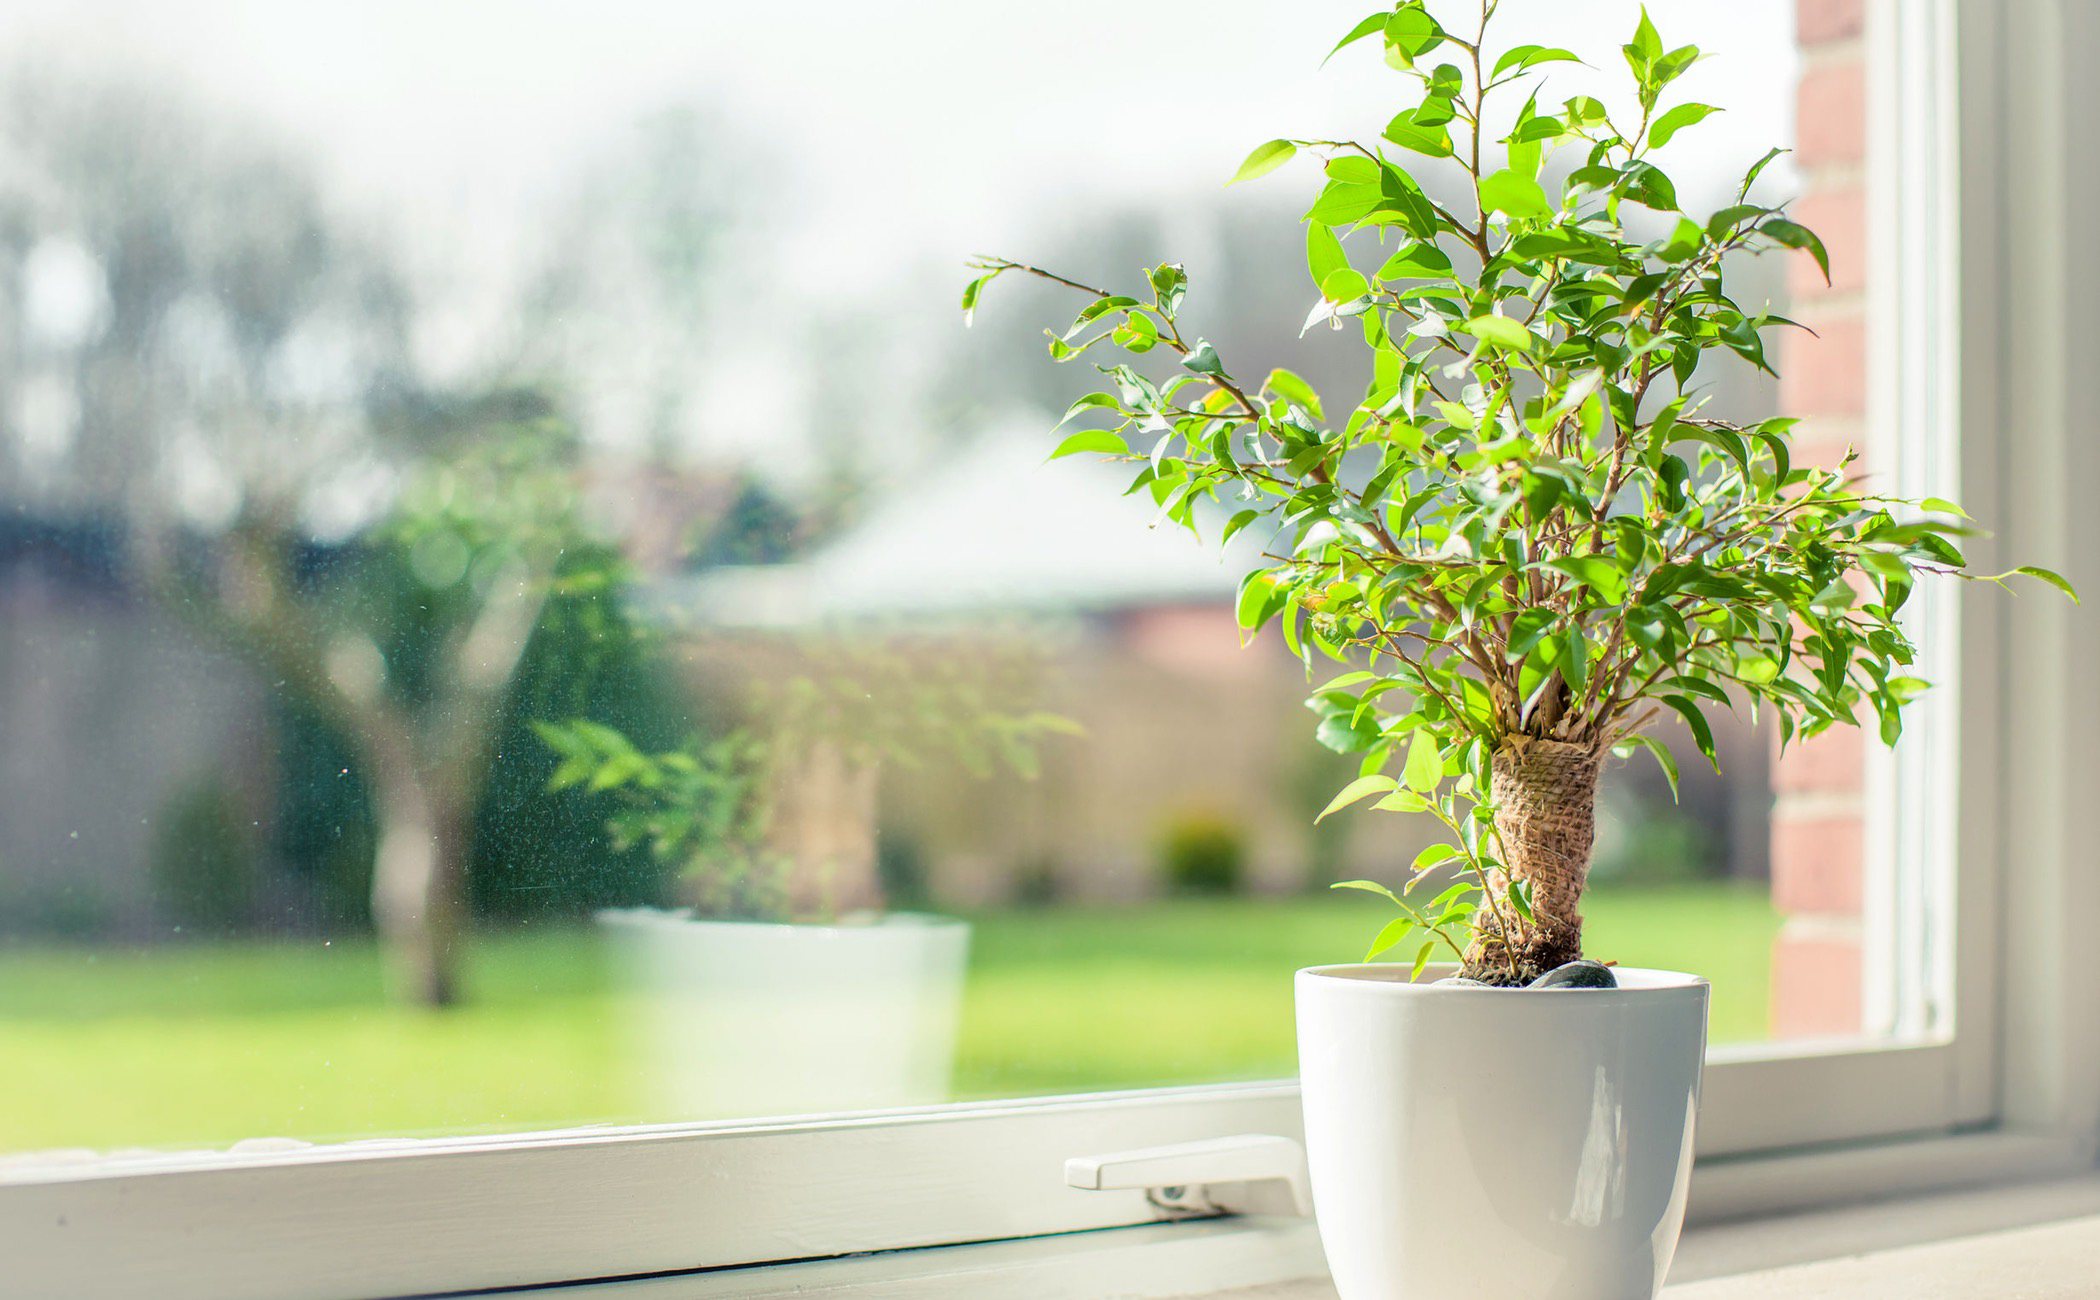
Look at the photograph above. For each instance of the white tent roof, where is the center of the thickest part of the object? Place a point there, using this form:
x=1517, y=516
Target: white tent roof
x=996, y=528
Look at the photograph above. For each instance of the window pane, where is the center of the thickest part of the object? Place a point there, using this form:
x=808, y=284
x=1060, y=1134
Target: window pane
x=468, y=487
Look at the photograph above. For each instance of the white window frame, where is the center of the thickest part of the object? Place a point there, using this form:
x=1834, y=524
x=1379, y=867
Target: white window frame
x=1986, y=353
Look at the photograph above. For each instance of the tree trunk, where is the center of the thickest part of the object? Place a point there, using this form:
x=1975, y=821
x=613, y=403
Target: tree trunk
x=418, y=877
x=1545, y=794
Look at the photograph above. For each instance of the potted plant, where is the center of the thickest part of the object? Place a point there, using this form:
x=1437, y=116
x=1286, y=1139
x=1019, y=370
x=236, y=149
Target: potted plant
x=1525, y=543
x=783, y=985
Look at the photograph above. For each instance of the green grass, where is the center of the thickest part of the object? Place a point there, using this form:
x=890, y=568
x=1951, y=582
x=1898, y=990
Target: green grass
x=208, y=1044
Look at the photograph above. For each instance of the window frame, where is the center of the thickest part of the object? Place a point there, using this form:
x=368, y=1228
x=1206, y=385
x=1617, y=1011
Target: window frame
x=1781, y=1126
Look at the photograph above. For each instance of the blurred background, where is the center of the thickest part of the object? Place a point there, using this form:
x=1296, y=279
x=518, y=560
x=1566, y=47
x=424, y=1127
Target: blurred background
x=383, y=385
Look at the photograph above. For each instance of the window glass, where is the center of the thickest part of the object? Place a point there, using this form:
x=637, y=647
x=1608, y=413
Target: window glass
x=471, y=484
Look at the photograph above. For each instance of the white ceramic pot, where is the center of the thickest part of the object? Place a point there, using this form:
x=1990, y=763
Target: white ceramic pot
x=1498, y=1144
x=746, y=1018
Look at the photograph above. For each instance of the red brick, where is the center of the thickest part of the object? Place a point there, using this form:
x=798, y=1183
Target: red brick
x=1839, y=215
x=1201, y=640
x=1818, y=865
x=1818, y=22
x=1816, y=986
x=1832, y=763
x=1824, y=373
x=1830, y=125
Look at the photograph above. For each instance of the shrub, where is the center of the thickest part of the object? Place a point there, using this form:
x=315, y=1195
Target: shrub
x=203, y=862
x=1203, y=853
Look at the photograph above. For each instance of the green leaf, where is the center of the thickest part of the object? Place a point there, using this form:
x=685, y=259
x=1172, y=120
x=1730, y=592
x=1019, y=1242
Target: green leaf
x=1421, y=962
x=1366, y=886
x=1293, y=388
x=1520, y=899
x=1646, y=45
x=1535, y=130
x=1412, y=33
x=2051, y=577
x=1092, y=401
x=1425, y=763
x=1407, y=131
x=1528, y=629
x=1595, y=572
x=1344, y=203
x=1345, y=285
x=1526, y=57
x=1676, y=120
x=1361, y=788
x=1203, y=359
x=1399, y=195
x=1323, y=252
x=1501, y=331
x=1757, y=168
x=1169, y=283
x=1353, y=168
x=1265, y=159
x=1346, y=735
x=1514, y=195
x=1762, y=670
x=569, y=773
x=1645, y=184
x=1403, y=801
x=1834, y=598
x=1416, y=262
x=970, y=294
x=1101, y=440
x=1260, y=598
x=1798, y=236
x=1663, y=757
x=1392, y=933
x=1137, y=333
x=1434, y=855
x=1375, y=23
x=1575, y=660
x=1694, y=719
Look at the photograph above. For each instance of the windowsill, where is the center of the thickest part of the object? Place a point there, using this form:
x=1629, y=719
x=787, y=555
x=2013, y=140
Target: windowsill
x=2030, y=1238
x=2032, y=1241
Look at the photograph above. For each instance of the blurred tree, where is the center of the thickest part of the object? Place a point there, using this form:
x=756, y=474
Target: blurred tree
x=207, y=354
x=537, y=855
x=204, y=864
x=755, y=527
x=410, y=649
x=629, y=281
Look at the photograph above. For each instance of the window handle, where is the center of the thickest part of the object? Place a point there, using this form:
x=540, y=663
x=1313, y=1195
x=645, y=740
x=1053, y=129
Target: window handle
x=1254, y=1173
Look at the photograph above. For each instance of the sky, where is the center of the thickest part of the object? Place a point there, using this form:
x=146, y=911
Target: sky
x=885, y=142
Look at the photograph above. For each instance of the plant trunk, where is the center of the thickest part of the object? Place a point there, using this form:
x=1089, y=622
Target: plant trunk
x=824, y=824
x=418, y=874
x=1545, y=794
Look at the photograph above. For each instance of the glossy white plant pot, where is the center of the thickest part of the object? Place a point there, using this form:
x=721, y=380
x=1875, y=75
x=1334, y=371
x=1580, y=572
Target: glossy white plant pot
x=746, y=1018
x=1498, y=1144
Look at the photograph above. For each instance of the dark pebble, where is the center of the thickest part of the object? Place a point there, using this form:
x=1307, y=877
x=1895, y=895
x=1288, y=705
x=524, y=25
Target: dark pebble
x=1577, y=975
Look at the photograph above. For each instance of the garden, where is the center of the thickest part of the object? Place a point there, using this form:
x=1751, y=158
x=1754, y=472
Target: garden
x=211, y=1044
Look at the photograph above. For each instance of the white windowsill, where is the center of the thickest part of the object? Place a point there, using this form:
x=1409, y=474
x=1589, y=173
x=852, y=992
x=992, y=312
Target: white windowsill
x=1881, y=1232
x=2034, y=1242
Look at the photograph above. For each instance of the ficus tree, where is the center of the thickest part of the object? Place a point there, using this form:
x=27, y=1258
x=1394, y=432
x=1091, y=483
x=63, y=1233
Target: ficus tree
x=775, y=819
x=1530, y=538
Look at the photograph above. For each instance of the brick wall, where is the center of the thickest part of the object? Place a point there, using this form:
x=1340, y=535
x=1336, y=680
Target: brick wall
x=1818, y=850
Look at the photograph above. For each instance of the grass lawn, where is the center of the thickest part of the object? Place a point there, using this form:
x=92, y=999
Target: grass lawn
x=206, y=1045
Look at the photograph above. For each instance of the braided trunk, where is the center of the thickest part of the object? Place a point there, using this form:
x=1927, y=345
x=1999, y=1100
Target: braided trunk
x=1545, y=794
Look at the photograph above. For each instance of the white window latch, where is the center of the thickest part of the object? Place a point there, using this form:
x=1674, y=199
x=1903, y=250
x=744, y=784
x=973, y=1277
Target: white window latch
x=1254, y=1173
